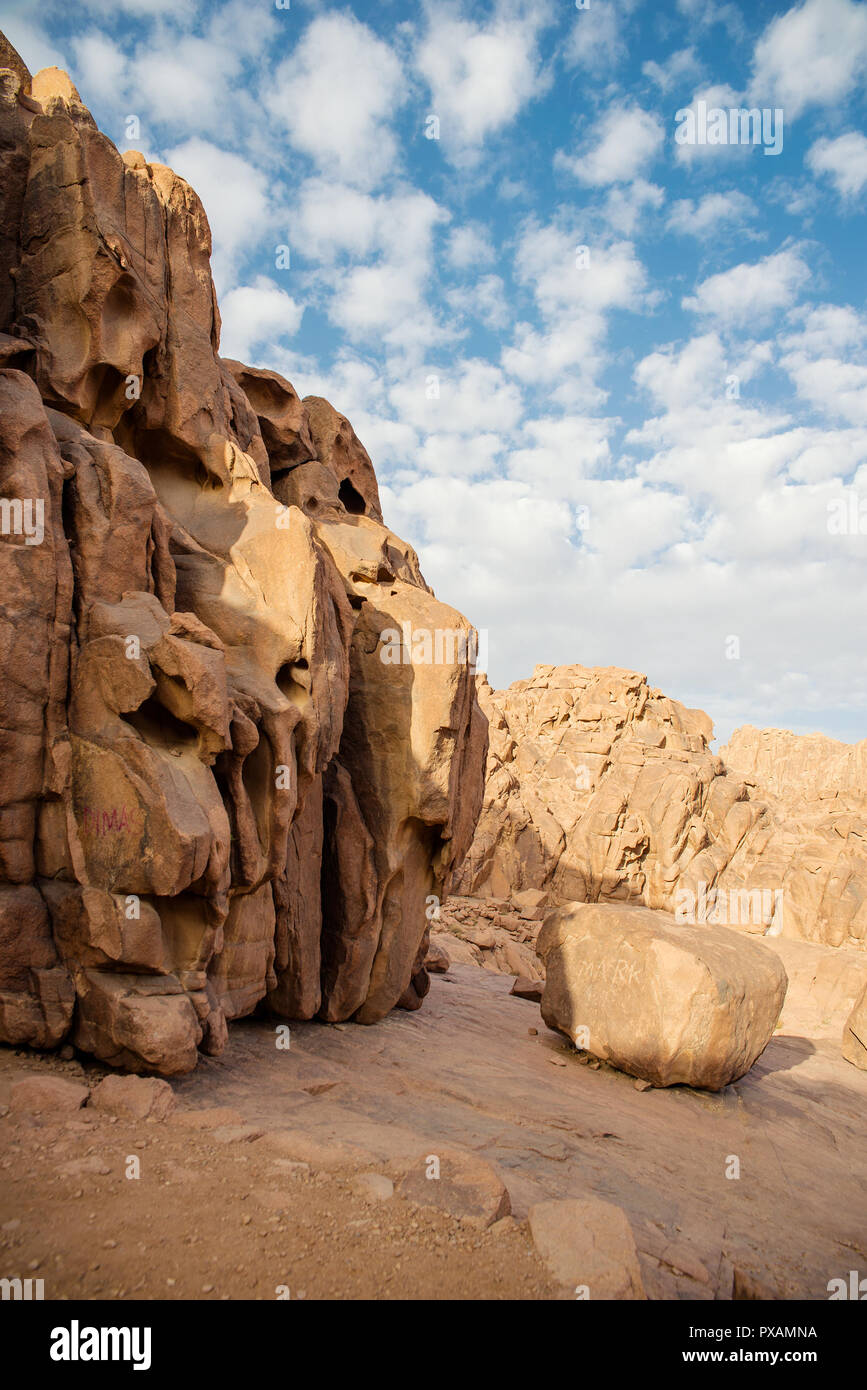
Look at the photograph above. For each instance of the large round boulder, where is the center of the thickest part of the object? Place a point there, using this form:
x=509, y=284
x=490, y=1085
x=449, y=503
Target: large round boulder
x=669, y=1003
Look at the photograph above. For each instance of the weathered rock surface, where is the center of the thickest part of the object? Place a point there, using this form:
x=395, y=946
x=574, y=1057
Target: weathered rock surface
x=599, y=788
x=855, y=1034
x=48, y=1093
x=662, y=1001
x=216, y=795
x=588, y=1244
x=461, y=1183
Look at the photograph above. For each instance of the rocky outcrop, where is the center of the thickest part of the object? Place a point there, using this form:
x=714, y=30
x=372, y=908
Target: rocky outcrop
x=600, y=788
x=664, y=1002
x=221, y=789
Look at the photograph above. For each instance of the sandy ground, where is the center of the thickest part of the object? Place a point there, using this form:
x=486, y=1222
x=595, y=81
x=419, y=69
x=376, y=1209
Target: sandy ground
x=225, y=1210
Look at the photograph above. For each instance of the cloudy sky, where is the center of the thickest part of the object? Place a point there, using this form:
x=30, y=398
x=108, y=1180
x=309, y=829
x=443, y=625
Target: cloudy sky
x=614, y=385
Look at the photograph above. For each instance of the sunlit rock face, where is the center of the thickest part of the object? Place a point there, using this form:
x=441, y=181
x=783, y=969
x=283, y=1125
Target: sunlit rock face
x=217, y=796
x=600, y=788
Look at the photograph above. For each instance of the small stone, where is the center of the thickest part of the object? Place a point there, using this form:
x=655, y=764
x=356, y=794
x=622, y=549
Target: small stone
x=643, y=1085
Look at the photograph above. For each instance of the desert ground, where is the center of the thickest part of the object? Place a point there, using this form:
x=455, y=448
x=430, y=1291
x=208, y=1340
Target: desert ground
x=257, y=1179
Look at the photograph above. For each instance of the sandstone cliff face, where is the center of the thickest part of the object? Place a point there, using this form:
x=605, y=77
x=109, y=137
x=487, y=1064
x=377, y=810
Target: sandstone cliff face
x=215, y=795
x=599, y=788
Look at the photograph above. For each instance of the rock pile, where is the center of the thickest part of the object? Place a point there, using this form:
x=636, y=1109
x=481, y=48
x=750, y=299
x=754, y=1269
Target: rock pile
x=215, y=795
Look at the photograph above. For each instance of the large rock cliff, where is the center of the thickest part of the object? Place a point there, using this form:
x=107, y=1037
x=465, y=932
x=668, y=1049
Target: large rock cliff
x=215, y=795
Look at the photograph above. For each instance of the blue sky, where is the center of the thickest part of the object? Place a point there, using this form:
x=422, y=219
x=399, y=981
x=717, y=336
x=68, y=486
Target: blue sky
x=632, y=454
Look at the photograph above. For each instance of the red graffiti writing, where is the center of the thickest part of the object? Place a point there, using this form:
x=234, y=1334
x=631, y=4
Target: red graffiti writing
x=107, y=821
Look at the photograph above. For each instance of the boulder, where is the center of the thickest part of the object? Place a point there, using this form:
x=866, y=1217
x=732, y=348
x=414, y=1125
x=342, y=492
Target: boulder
x=133, y=1097
x=588, y=1245
x=668, y=1003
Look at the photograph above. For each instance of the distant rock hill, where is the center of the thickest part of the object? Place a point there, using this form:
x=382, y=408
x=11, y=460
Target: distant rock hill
x=600, y=788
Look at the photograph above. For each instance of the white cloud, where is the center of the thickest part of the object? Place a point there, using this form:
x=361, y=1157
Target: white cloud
x=680, y=69
x=824, y=329
x=101, y=69
x=479, y=75
x=255, y=316
x=705, y=217
x=627, y=140
x=182, y=81
x=469, y=245
x=844, y=160
x=750, y=292
x=838, y=389
x=460, y=456
x=575, y=294
x=374, y=255
x=26, y=34
x=626, y=207
x=474, y=397
x=336, y=95
x=596, y=40
x=813, y=55
x=484, y=299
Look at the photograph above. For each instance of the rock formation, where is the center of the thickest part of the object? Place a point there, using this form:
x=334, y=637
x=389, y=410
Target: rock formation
x=668, y=1003
x=216, y=796
x=600, y=788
